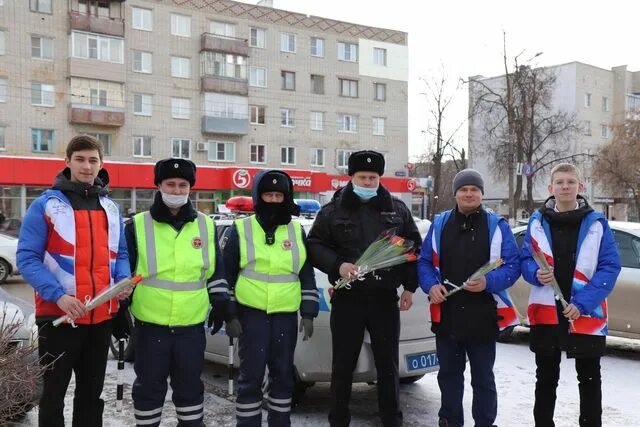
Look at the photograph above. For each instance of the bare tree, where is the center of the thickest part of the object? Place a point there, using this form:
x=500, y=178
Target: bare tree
x=521, y=124
x=618, y=163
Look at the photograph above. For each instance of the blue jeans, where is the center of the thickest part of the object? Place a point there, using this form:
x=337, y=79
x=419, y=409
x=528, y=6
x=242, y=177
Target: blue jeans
x=452, y=355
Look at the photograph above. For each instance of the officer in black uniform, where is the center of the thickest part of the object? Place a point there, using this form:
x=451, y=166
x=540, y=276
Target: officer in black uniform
x=343, y=229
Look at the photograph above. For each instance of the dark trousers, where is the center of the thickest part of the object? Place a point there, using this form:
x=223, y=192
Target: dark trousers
x=351, y=314
x=162, y=352
x=266, y=340
x=589, y=385
x=452, y=355
x=82, y=350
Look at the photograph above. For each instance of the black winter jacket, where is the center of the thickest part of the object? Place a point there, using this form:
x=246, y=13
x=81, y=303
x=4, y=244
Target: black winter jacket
x=346, y=226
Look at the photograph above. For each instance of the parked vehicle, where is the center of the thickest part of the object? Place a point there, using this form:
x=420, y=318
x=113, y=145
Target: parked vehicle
x=8, y=248
x=624, y=318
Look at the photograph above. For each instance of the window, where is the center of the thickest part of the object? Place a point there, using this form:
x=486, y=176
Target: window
x=258, y=38
x=317, y=84
x=288, y=155
x=103, y=8
x=348, y=52
x=142, y=104
x=180, y=108
x=628, y=248
x=317, y=157
x=142, y=62
x=287, y=117
x=224, y=65
x=41, y=47
x=288, y=80
x=42, y=95
x=287, y=42
x=3, y=90
x=317, y=47
x=587, y=100
x=604, y=131
x=42, y=140
x=222, y=29
x=257, y=77
x=379, y=56
x=380, y=91
x=605, y=103
x=342, y=158
x=93, y=46
x=221, y=151
x=348, y=88
x=587, y=128
x=104, y=139
x=2, y=142
x=227, y=106
x=142, y=19
x=180, y=25
x=98, y=97
x=347, y=123
x=3, y=43
x=258, y=153
x=316, y=119
x=378, y=126
x=257, y=114
x=141, y=146
x=181, y=148
x=180, y=67
x=90, y=7
x=42, y=6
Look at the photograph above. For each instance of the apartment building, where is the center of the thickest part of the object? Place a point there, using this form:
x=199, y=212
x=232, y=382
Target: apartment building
x=598, y=98
x=234, y=87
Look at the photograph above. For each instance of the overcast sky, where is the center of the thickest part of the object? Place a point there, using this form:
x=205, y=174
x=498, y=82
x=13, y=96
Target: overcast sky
x=465, y=37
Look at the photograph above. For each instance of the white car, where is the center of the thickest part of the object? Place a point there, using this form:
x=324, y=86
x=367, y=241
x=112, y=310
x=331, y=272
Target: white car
x=417, y=349
x=8, y=248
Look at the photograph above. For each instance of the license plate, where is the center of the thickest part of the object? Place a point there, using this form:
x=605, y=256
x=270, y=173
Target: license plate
x=419, y=361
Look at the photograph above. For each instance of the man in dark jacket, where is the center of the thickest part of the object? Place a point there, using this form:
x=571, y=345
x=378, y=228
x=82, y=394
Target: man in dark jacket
x=466, y=324
x=342, y=231
x=71, y=248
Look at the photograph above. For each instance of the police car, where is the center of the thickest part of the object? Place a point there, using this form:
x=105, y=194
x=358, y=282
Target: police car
x=417, y=349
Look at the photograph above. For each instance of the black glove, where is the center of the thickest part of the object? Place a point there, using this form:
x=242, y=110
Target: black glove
x=306, y=325
x=234, y=328
x=121, y=327
x=217, y=315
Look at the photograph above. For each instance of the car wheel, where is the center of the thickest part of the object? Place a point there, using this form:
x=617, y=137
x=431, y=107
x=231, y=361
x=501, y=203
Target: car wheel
x=129, y=352
x=410, y=380
x=506, y=335
x=5, y=268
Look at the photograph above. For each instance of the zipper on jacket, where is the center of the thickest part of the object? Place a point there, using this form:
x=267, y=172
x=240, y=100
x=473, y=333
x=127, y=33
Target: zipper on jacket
x=93, y=282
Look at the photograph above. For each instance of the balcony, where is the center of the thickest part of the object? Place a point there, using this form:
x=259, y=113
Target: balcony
x=219, y=43
x=96, y=24
x=225, y=125
x=211, y=83
x=86, y=114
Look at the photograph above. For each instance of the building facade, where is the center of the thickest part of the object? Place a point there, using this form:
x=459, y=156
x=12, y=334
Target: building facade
x=234, y=87
x=597, y=98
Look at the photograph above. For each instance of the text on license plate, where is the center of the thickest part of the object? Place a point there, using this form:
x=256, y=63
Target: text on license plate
x=420, y=361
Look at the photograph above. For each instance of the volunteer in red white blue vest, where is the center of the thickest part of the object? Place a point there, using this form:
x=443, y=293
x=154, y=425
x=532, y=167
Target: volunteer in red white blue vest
x=71, y=248
x=342, y=231
x=271, y=280
x=175, y=249
x=466, y=324
x=580, y=247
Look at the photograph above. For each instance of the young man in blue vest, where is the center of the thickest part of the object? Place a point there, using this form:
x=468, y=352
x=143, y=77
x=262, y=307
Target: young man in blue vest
x=71, y=248
x=466, y=324
x=266, y=264
x=582, y=252
x=175, y=249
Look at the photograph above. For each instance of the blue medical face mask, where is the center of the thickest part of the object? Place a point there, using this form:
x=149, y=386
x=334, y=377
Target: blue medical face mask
x=365, y=193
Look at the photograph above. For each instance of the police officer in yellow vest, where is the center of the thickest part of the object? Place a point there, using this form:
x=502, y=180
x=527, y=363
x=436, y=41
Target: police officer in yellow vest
x=266, y=264
x=175, y=249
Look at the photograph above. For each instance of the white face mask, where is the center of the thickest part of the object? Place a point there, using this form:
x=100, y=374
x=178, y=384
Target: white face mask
x=174, y=201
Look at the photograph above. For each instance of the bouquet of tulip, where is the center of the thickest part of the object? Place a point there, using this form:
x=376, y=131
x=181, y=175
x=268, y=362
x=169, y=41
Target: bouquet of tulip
x=475, y=276
x=103, y=297
x=388, y=250
x=542, y=262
